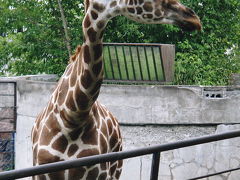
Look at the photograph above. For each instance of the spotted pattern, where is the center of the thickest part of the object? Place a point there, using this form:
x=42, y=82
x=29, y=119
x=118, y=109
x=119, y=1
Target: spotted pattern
x=74, y=124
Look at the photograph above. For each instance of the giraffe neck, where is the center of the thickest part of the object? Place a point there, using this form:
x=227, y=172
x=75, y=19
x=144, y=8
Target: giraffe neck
x=84, y=75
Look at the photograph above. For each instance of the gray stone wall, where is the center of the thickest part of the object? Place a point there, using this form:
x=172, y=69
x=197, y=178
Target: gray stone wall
x=153, y=115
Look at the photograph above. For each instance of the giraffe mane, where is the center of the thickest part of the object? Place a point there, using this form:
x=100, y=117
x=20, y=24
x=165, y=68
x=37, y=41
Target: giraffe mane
x=74, y=57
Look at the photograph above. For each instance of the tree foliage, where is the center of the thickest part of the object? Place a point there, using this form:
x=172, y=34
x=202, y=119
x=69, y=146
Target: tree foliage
x=32, y=38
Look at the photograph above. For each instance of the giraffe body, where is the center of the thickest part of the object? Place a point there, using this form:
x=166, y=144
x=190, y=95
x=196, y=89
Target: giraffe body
x=74, y=124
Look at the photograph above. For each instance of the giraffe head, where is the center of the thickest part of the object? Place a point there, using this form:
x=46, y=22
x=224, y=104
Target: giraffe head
x=147, y=11
x=161, y=12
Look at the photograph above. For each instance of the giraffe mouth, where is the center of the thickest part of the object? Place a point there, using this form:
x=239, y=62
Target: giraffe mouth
x=189, y=24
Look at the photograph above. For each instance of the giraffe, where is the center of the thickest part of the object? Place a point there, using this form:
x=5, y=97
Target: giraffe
x=74, y=124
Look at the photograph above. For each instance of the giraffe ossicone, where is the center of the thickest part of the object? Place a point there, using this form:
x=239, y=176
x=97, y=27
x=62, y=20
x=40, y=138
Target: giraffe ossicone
x=74, y=124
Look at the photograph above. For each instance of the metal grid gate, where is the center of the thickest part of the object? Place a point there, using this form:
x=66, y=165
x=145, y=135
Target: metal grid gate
x=8, y=104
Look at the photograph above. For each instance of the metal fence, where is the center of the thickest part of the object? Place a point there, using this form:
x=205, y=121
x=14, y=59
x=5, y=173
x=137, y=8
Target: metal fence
x=8, y=109
x=135, y=62
x=92, y=160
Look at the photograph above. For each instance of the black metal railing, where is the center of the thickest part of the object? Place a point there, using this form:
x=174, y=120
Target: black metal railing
x=135, y=62
x=8, y=116
x=92, y=160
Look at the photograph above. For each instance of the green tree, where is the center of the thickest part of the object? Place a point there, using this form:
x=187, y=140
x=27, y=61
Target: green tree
x=32, y=38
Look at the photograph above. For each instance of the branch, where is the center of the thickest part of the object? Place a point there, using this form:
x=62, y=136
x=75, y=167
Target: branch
x=64, y=21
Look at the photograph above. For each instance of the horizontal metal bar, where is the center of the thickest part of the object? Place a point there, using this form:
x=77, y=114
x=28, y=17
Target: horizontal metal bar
x=92, y=160
x=7, y=131
x=137, y=44
x=214, y=174
x=10, y=82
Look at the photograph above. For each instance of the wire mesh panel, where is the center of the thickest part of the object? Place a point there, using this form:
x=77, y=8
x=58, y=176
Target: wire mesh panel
x=6, y=151
x=138, y=62
x=7, y=124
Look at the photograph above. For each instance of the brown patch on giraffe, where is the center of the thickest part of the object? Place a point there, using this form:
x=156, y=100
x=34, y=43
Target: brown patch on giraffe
x=88, y=152
x=104, y=129
x=60, y=144
x=92, y=34
x=95, y=113
x=97, y=51
x=50, y=108
x=57, y=175
x=131, y=10
x=130, y=2
x=135, y=2
x=62, y=91
x=47, y=134
x=113, y=4
x=76, y=173
x=81, y=99
x=73, y=77
x=35, y=136
x=98, y=7
x=158, y=12
x=87, y=21
x=75, y=134
x=86, y=54
x=96, y=87
x=55, y=96
x=113, y=119
x=94, y=15
x=90, y=135
x=93, y=174
x=101, y=111
x=72, y=149
x=101, y=24
x=67, y=121
x=139, y=10
x=148, y=6
x=41, y=177
x=103, y=166
x=110, y=128
x=113, y=139
x=113, y=168
x=35, y=154
x=101, y=34
x=69, y=70
x=97, y=68
x=102, y=176
x=86, y=79
x=103, y=145
x=147, y=16
x=53, y=124
x=158, y=19
x=86, y=3
x=70, y=102
x=140, y=2
x=117, y=174
x=45, y=157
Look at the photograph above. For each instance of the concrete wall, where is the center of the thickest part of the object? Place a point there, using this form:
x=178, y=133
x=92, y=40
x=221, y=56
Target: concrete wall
x=164, y=111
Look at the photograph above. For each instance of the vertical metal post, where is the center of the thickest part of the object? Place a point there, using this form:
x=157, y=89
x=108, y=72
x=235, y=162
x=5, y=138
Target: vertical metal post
x=155, y=166
x=134, y=73
x=161, y=60
x=139, y=63
x=146, y=58
x=118, y=63
x=125, y=62
x=154, y=63
x=109, y=54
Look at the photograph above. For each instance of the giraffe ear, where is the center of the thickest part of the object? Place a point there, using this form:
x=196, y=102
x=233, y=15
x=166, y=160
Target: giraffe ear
x=86, y=5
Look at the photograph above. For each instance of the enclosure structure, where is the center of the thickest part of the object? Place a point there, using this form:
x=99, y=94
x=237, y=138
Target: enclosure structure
x=138, y=62
x=151, y=115
x=8, y=109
